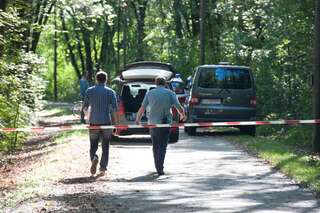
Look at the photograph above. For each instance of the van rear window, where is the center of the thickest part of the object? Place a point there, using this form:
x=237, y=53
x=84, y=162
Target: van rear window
x=224, y=78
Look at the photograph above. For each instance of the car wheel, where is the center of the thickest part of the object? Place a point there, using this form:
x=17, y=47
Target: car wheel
x=191, y=130
x=174, y=137
x=248, y=130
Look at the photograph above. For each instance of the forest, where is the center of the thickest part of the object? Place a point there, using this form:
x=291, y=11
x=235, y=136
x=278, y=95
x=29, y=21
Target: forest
x=46, y=45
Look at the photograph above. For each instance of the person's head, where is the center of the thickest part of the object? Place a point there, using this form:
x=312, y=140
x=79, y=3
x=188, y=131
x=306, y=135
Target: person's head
x=101, y=77
x=160, y=81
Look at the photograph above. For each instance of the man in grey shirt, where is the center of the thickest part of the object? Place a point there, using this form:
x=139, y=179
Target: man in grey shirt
x=103, y=103
x=160, y=100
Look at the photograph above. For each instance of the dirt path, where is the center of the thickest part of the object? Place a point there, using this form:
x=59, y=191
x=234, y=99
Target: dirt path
x=203, y=174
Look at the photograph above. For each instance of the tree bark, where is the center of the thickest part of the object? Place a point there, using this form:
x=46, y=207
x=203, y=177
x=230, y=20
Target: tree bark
x=177, y=18
x=118, y=36
x=87, y=47
x=79, y=41
x=125, y=41
x=202, y=31
x=3, y=4
x=104, y=45
x=69, y=47
x=316, y=81
x=43, y=19
x=140, y=12
x=195, y=7
x=55, y=59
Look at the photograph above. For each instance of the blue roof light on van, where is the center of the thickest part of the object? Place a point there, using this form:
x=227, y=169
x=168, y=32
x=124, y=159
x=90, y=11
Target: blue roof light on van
x=224, y=63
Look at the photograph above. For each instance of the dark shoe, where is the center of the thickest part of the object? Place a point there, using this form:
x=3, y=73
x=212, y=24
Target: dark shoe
x=83, y=121
x=160, y=173
x=94, y=164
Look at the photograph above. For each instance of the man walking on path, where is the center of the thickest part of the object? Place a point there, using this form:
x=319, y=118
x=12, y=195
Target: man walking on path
x=160, y=100
x=103, y=103
x=84, y=85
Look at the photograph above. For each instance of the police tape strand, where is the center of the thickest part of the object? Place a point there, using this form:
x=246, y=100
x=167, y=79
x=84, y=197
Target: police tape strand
x=175, y=125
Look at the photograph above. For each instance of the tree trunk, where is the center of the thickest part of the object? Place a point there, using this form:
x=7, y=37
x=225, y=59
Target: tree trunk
x=140, y=12
x=69, y=47
x=177, y=18
x=202, y=32
x=118, y=37
x=55, y=59
x=43, y=19
x=104, y=46
x=3, y=8
x=194, y=7
x=316, y=81
x=87, y=47
x=3, y=4
x=125, y=42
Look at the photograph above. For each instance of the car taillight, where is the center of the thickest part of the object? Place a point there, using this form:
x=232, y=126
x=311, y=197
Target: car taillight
x=182, y=100
x=253, y=101
x=194, y=101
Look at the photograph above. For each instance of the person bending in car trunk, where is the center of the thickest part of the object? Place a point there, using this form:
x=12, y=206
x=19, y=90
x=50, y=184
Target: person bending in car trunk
x=160, y=100
x=103, y=103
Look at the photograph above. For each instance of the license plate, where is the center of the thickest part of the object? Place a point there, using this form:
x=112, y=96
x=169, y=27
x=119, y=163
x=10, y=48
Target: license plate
x=211, y=101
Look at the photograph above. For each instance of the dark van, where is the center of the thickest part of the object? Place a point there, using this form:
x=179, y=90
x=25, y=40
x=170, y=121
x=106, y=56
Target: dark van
x=222, y=93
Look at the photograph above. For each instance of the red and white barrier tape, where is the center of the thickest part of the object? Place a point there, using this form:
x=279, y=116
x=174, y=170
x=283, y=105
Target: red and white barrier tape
x=202, y=124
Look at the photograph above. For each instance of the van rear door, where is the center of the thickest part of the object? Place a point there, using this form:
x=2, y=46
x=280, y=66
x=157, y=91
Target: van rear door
x=225, y=92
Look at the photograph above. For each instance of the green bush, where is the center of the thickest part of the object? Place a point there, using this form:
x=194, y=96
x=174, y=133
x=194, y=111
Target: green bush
x=21, y=88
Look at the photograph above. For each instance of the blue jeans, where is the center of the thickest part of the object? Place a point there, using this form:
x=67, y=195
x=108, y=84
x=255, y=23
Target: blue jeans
x=160, y=138
x=95, y=135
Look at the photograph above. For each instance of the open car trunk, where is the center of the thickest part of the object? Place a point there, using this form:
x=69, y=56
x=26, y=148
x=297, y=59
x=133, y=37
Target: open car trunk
x=132, y=96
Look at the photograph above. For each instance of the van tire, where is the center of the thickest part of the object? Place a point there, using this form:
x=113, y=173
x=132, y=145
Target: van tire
x=248, y=130
x=191, y=130
x=174, y=137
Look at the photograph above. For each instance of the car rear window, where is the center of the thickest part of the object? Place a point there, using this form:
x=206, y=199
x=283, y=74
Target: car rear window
x=224, y=78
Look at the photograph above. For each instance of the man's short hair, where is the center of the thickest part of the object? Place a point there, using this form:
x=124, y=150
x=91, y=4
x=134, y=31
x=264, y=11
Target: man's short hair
x=101, y=77
x=160, y=81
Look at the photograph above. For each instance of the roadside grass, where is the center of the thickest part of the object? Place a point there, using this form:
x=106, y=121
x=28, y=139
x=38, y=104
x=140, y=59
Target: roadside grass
x=33, y=183
x=287, y=150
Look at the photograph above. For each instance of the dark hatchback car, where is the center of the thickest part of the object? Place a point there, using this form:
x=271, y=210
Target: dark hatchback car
x=222, y=93
x=131, y=86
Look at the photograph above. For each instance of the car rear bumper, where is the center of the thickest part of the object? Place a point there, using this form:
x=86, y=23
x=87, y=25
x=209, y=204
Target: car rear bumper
x=142, y=131
x=220, y=113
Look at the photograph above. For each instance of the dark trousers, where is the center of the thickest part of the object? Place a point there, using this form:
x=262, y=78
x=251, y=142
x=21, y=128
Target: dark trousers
x=82, y=115
x=159, y=137
x=105, y=136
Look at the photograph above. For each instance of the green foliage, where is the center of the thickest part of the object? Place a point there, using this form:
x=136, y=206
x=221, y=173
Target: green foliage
x=68, y=84
x=274, y=38
x=21, y=87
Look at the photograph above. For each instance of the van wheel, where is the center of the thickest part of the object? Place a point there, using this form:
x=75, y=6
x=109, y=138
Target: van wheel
x=191, y=130
x=174, y=137
x=248, y=130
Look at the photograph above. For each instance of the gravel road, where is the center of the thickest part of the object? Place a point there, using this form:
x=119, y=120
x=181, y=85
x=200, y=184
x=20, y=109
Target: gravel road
x=204, y=173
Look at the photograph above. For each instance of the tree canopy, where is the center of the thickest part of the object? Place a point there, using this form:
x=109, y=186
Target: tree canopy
x=273, y=37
